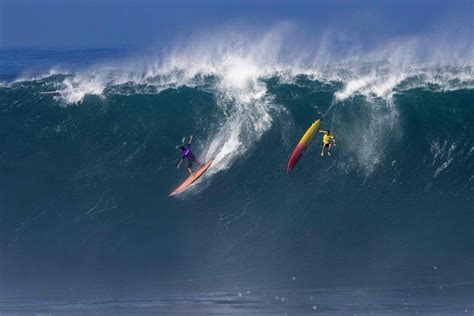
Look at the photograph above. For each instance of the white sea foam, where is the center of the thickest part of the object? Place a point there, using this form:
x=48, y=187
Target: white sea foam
x=77, y=87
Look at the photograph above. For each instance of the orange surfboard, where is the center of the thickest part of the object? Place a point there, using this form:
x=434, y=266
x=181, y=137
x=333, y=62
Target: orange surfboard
x=191, y=179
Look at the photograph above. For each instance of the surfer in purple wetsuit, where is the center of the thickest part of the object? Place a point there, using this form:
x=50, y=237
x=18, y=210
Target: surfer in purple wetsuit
x=186, y=153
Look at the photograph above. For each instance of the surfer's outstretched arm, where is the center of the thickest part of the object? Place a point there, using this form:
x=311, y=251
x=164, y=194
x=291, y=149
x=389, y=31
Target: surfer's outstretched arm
x=190, y=139
x=179, y=163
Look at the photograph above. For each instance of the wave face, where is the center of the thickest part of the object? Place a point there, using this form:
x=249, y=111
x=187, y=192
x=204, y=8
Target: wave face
x=88, y=158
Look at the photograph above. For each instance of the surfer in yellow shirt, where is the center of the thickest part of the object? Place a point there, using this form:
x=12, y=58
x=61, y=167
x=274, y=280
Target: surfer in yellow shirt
x=327, y=139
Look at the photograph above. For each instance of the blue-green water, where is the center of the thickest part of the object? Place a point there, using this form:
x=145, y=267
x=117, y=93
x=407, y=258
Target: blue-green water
x=87, y=159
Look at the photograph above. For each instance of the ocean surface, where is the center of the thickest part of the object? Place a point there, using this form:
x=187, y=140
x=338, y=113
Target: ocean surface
x=88, y=157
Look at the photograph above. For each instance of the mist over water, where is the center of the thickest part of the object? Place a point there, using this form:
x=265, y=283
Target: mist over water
x=88, y=159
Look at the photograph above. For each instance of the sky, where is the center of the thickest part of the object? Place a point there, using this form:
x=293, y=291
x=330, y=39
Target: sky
x=143, y=23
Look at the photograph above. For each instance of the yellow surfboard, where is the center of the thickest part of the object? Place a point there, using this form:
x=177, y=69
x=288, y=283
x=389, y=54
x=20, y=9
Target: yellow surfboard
x=302, y=145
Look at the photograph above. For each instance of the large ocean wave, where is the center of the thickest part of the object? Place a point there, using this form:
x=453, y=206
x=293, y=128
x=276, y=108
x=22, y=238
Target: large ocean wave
x=88, y=158
x=236, y=69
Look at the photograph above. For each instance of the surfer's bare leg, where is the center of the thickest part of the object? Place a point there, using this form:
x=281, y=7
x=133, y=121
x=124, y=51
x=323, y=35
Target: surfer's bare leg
x=190, y=171
x=329, y=150
x=322, y=151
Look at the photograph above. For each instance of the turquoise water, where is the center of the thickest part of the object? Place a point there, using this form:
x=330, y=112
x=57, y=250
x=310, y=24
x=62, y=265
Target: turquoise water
x=88, y=158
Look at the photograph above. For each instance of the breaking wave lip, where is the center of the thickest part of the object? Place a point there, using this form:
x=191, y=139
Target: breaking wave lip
x=375, y=83
x=239, y=59
x=241, y=79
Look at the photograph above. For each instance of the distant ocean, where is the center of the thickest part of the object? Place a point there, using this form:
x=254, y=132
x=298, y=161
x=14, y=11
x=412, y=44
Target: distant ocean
x=88, y=157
